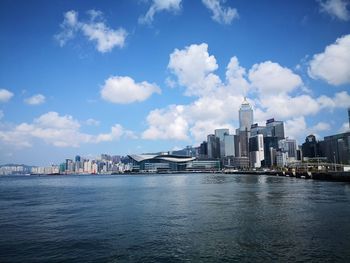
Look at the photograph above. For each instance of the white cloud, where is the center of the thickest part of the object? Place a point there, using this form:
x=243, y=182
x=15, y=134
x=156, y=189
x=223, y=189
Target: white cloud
x=193, y=67
x=217, y=102
x=115, y=133
x=201, y=129
x=35, y=99
x=271, y=78
x=336, y=8
x=321, y=126
x=333, y=65
x=56, y=130
x=296, y=128
x=236, y=77
x=95, y=30
x=5, y=95
x=221, y=14
x=168, y=123
x=60, y=131
x=340, y=100
x=54, y=120
x=105, y=37
x=195, y=120
x=69, y=27
x=158, y=6
x=123, y=90
x=282, y=106
x=92, y=122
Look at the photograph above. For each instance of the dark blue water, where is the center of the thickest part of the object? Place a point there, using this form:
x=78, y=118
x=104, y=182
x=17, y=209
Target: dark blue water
x=198, y=217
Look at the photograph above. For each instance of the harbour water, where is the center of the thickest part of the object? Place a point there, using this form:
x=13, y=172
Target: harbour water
x=173, y=218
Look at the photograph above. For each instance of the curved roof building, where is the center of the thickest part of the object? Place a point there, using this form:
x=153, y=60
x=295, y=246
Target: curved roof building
x=159, y=163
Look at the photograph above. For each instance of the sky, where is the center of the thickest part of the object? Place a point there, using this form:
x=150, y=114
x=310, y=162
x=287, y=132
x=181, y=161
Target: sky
x=126, y=77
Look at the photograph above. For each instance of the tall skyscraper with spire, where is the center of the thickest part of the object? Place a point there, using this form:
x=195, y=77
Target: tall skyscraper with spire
x=243, y=133
x=245, y=116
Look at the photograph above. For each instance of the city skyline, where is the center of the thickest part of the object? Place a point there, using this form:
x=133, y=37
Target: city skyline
x=148, y=76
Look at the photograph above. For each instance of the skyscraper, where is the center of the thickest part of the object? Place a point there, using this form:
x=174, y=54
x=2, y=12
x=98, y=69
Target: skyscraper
x=229, y=145
x=245, y=116
x=289, y=146
x=256, y=150
x=213, y=146
x=275, y=128
x=220, y=133
x=245, y=122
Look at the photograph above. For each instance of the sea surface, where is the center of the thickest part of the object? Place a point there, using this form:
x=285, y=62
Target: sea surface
x=173, y=218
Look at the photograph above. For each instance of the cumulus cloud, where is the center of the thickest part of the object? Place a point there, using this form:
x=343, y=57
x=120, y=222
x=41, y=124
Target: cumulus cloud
x=194, y=67
x=168, y=123
x=216, y=103
x=339, y=100
x=5, y=95
x=333, y=65
x=336, y=8
x=271, y=78
x=105, y=37
x=123, y=90
x=115, y=133
x=35, y=99
x=222, y=15
x=56, y=130
x=284, y=106
x=236, y=76
x=297, y=128
x=195, y=120
x=158, y=6
x=94, y=29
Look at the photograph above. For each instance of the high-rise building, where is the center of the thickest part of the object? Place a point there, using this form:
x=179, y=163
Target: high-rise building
x=245, y=116
x=220, y=133
x=77, y=158
x=69, y=166
x=229, y=145
x=281, y=158
x=275, y=129
x=256, y=129
x=288, y=146
x=213, y=146
x=311, y=148
x=245, y=122
x=203, y=150
x=270, y=148
x=256, y=148
x=243, y=143
x=337, y=148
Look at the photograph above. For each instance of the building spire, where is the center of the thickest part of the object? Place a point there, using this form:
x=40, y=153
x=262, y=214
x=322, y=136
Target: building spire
x=245, y=100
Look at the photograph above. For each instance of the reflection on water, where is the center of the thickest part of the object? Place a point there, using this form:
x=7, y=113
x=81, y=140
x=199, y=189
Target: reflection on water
x=194, y=217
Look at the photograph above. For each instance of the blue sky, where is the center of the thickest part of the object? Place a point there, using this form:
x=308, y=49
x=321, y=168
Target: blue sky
x=120, y=77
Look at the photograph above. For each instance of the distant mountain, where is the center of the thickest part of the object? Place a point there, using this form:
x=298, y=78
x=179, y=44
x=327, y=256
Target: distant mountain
x=13, y=164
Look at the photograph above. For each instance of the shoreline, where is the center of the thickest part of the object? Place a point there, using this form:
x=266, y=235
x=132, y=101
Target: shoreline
x=321, y=176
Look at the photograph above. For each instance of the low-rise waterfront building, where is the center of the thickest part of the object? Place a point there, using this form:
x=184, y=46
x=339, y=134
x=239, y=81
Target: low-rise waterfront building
x=159, y=163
